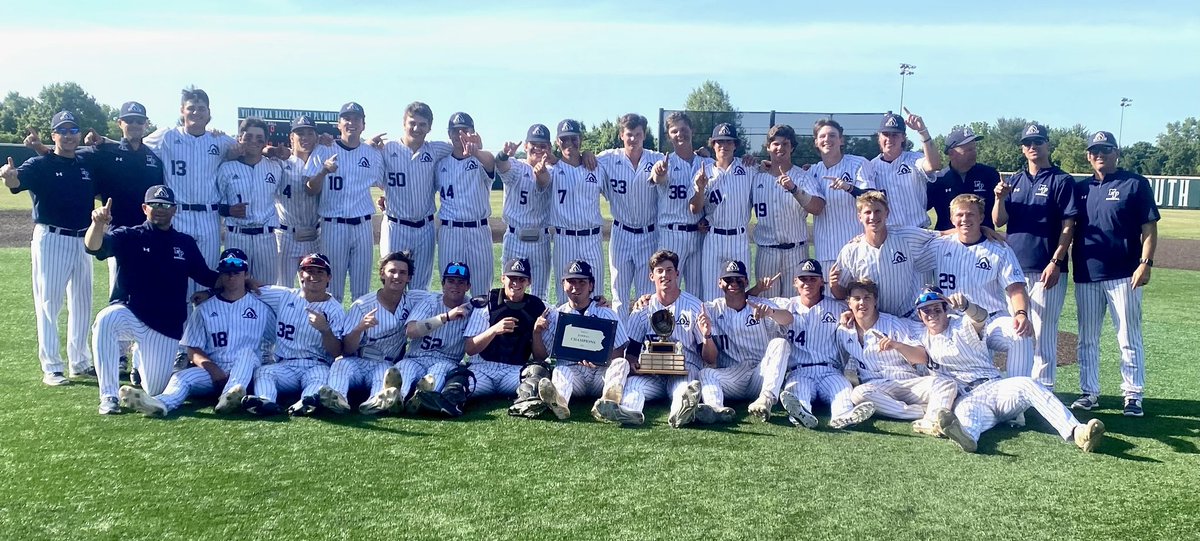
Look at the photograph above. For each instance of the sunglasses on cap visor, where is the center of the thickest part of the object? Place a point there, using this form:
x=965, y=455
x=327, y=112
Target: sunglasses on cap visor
x=67, y=131
x=161, y=206
x=928, y=296
x=1036, y=141
x=235, y=263
x=456, y=270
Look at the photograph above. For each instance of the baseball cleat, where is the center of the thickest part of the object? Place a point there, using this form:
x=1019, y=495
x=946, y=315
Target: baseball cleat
x=607, y=410
x=55, y=379
x=1088, y=436
x=231, y=401
x=87, y=372
x=332, y=400
x=260, y=406
x=926, y=427
x=306, y=406
x=182, y=362
x=860, y=413
x=706, y=414
x=138, y=400
x=958, y=435
x=760, y=409
x=613, y=391
x=1086, y=402
x=375, y=405
x=1018, y=421
x=600, y=408
x=1133, y=408
x=392, y=379
x=530, y=409
x=798, y=413
x=934, y=423
x=549, y=395
x=688, y=404
x=109, y=406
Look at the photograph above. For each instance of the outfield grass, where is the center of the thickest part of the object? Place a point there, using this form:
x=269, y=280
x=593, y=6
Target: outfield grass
x=67, y=473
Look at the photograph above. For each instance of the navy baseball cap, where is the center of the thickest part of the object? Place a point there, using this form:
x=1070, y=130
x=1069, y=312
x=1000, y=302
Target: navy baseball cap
x=517, y=266
x=1102, y=139
x=892, y=123
x=810, y=267
x=351, y=108
x=132, y=109
x=538, y=133
x=316, y=261
x=303, y=121
x=62, y=117
x=734, y=268
x=570, y=127
x=961, y=137
x=160, y=194
x=233, y=260
x=579, y=269
x=930, y=295
x=1034, y=131
x=457, y=269
x=724, y=132
x=461, y=120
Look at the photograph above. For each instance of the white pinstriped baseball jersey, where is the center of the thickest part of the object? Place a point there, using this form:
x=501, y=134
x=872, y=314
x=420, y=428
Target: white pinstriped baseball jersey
x=294, y=206
x=893, y=265
x=838, y=223
x=904, y=181
x=633, y=197
x=982, y=270
x=685, y=310
x=959, y=352
x=525, y=204
x=575, y=201
x=813, y=331
x=673, y=196
x=191, y=162
x=446, y=342
x=385, y=340
x=347, y=191
x=295, y=338
x=463, y=186
x=740, y=336
x=727, y=196
x=875, y=364
x=228, y=331
x=781, y=219
x=256, y=185
x=411, y=180
x=593, y=310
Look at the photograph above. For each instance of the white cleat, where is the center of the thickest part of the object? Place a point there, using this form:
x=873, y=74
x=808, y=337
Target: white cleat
x=549, y=395
x=231, y=401
x=860, y=413
x=1018, y=421
x=138, y=400
x=689, y=403
x=798, y=413
x=109, y=406
x=392, y=379
x=760, y=409
x=332, y=400
x=55, y=379
x=607, y=410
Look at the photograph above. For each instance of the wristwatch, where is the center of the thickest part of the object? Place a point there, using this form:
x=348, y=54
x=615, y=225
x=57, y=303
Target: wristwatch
x=1146, y=261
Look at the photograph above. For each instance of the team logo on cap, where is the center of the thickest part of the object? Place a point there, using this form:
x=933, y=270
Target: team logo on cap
x=968, y=133
x=1032, y=130
x=250, y=314
x=1100, y=138
x=364, y=162
x=519, y=266
x=732, y=267
x=162, y=193
x=904, y=169
x=68, y=116
x=808, y=266
x=137, y=108
x=899, y=258
x=576, y=268
x=893, y=121
x=725, y=130
x=984, y=264
x=458, y=119
x=213, y=151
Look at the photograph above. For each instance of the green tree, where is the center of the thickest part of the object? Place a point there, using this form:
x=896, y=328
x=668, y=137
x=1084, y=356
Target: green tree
x=709, y=105
x=866, y=147
x=71, y=97
x=12, y=109
x=1142, y=158
x=1070, y=149
x=607, y=135
x=1180, y=147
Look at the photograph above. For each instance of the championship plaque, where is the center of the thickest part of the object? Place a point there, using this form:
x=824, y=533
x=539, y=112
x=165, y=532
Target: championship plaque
x=584, y=338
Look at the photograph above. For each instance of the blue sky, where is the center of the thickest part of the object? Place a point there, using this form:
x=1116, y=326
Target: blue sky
x=516, y=63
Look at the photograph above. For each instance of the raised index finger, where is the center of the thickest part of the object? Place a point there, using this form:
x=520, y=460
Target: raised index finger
x=107, y=204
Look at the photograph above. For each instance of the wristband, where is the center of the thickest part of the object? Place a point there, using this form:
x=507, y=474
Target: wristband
x=433, y=323
x=1020, y=313
x=1146, y=261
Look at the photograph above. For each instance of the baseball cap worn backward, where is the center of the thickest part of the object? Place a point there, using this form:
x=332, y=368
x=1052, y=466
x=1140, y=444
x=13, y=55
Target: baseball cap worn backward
x=461, y=120
x=724, y=132
x=809, y=267
x=579, y=269
x=316, y=260
x=303, y=121
x=734, y=268
x=1102, y=139
x=517, y=266
x=1034, y=130
x=160, y=194
x=538, y=133
x=961, y=137
x=62, y=117
x=570, y=127
x=351, y=107
x=892, y=123
x=132, y=109
x=457, y=269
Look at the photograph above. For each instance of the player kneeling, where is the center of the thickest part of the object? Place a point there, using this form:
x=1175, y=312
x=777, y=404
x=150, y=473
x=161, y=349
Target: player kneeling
x=957, y=348
x=224, y=339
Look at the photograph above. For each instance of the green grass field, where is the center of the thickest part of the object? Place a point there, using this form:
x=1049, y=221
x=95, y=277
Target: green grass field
x=67, y=473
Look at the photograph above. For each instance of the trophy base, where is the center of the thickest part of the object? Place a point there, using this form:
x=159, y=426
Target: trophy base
x=669, y=364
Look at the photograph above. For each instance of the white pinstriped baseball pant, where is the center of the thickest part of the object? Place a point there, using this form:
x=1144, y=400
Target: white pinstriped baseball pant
x=349, y=372
x=1045, y=307
x=195, y=381
x=154, y=355
x=628, y=261
x=822, y=383
x=1000, y=400
x=907, y=399
x=1124, y=303
x=305, y=376
x=61, y=266
x=746, y=380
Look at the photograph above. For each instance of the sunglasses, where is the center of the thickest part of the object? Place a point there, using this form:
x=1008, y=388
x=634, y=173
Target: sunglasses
x=733, y=280
x=1037, y=142
x=456, y=269
x=134, y=120
x=67, y=131
x=1098, y=151
x=161, y=206
x=232, y=262
x=932, y=294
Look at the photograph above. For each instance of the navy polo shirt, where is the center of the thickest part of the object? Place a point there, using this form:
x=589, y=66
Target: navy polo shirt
x=1036, y=208
x=123, y=174
x=153, y=267
x=1108, y=234
x=62, y=190
x=980, y=180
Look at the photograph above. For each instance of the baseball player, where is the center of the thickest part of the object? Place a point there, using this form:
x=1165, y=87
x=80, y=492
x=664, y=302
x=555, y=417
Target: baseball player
x=987, y=272
x=574, y=204
x=964, y=175
x=464, y=182
x=752, y=351
x=248, y=188
x=903, y=174
x=154, y=264
x=580, y=378
x=633, y=198
x=722, y=194
x=837, y=180
x=1115, y=236
x=306, y=323
x=527, y=205
x=373, y=339
x=343, y=175
x=63, y=195
x=678, y=226
x=501, y=343
x=297, y=209
x=409, y=191
x=956, y=349
x=1037, y=205
x=816, y=365
x=224, y=340
x=887, y=354
x=782, y=198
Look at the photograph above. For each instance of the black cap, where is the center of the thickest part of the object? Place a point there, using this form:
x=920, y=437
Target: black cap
x=233, y=260
x=724, y=132
x=892, y=123
x=461, y=120
x=62, y=117
x=1034, y=131
x=457, y=269
x=734, y=268
x=570, y=127
x=961, y=137
x=579, y=269
x=517, y=266
x=160, y=194
x=351, y=108
x=316, y=260
x=132, y=109
x=303, y=121
x=810, y=267
x=538, y=133
x=1102, y=139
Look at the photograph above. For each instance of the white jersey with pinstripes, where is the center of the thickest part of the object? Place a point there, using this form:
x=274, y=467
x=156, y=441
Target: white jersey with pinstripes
x=813, y=331
x=446, y=342
x=959, y=352
x=896, y=266
x=838, y=223
x=727, y=196
x=632, y=196
x=295, y=337
x=525, y=204
x=673, y=195
x=464, y=187
x=904, y=181
x=256, y=185
x=780, y=218
x=575, y=202
x=685, y=310
x=874, y=363
x=294, y=206
x=982, y=271
x=740, y=336
x=347, y=191
x=385, y=340
x=227, y=331
x=592, y=310
x=191, y=162
x=411, y=181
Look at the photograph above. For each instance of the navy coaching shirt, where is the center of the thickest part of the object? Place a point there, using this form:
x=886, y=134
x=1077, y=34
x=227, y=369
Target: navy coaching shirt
x=1108, y=231
x=62, y=190
x=1036, y=207
x=123, y=174
x=980, y=180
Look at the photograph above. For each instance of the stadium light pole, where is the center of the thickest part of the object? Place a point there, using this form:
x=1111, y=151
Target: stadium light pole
x=1125, y=102
x=905, y=71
